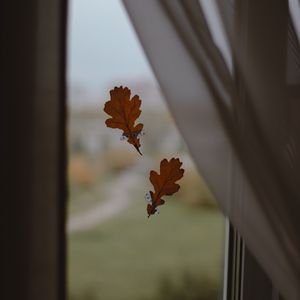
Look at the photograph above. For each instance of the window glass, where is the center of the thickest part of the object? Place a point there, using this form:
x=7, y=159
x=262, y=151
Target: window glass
x=114, y=250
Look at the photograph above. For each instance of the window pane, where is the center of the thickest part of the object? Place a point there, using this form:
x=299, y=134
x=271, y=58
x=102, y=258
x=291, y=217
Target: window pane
x=114, y=250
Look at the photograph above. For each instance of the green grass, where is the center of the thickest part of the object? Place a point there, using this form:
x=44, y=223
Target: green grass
x=83, y=198
x=130, y=256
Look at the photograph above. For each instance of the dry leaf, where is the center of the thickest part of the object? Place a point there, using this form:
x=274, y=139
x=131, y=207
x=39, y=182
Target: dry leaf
x=124, y=112
x=164, y=183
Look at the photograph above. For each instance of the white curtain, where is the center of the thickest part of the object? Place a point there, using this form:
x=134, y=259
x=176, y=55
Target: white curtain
x=230, y=72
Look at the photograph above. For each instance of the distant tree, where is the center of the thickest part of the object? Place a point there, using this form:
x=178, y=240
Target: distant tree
x=78, y=146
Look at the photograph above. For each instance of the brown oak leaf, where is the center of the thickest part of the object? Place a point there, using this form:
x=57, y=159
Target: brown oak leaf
x=164, y=183
x=124, y=112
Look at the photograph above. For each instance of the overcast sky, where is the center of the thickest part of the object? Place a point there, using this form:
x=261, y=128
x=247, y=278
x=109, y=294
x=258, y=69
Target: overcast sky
x=102, y=46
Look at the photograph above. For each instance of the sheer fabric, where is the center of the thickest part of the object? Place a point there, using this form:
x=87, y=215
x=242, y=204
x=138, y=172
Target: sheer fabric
x=236, y=103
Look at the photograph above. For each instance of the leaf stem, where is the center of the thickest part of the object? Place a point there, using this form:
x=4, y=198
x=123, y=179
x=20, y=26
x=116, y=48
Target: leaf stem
x=138, y=150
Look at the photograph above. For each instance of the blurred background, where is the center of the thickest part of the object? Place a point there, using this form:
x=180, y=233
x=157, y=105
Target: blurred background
x=114, y=251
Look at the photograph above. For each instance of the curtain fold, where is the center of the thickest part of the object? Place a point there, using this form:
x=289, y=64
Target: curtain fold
x=241, y=121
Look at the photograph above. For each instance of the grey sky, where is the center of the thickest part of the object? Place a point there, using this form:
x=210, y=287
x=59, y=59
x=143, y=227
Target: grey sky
x=102, y=46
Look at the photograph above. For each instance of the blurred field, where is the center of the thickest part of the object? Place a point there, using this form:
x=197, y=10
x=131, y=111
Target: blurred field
x=130, y=256
x=176, y=255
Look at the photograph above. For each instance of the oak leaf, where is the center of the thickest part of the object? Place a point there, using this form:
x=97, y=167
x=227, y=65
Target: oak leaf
x=124, y=112
x=164, y=183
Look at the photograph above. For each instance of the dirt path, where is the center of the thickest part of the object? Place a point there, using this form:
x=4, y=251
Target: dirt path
x=118, y=198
